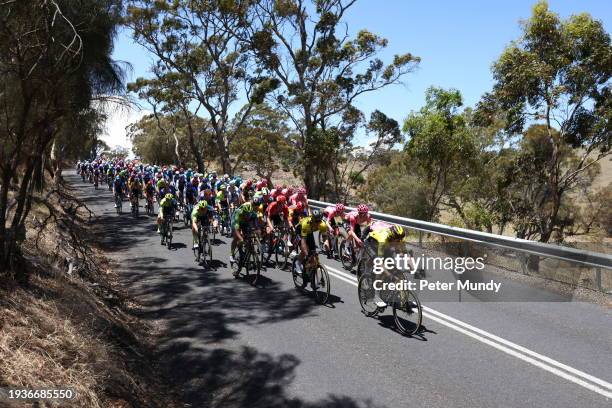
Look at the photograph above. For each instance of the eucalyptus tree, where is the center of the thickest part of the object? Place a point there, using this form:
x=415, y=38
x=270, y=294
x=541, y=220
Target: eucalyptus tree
x=557, y=75
x=193, y=40
x=306, y=45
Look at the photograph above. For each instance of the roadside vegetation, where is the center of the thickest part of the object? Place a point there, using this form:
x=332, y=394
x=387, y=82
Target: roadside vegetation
x=525, y=161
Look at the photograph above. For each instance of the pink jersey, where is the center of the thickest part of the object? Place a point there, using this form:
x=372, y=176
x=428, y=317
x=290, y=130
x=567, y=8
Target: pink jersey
x=294, y=199
x=378, y=225
x=354, y=219
x=331, y=214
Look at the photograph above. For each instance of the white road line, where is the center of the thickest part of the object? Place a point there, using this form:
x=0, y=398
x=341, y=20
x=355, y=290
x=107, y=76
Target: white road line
x=508, y=347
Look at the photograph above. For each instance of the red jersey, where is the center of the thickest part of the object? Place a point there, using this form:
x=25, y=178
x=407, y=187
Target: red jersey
x=276, y=208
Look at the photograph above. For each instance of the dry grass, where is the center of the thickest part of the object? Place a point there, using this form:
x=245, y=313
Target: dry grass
x=41, y=347
x=76, y=331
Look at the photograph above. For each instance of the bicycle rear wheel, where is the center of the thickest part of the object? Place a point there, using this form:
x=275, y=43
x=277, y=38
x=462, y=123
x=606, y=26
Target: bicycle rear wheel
x=208, y=251
x=320, y=284
x=346, y=255
x=256, y=263
x=366, y=294
x=169, y=235
x=281, y=254
x=298, y=278
x=407, y=312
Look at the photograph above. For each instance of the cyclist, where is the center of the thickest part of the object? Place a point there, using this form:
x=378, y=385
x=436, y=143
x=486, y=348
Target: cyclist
x=202, y=214
x=379, y=241
x=243, y=218
x=233, y=194
x=305, y=235
x=167, y=207
x=149, y=191
x=118, y=188
x=278, y=215
x=135, y=188
x=299, y=197
x=359, y=220
x=334, y=215
x=222, y=202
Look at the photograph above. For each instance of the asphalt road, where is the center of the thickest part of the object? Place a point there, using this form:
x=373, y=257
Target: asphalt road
x=230, y=344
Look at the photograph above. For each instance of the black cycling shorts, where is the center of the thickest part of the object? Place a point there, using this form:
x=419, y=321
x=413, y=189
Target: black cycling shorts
x=276, y=219
x=310, y=241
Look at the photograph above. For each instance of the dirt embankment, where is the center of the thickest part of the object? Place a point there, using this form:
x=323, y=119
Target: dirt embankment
x=69, y=324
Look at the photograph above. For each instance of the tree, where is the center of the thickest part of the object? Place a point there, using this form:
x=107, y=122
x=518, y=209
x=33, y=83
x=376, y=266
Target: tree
x=194, y=44
x=557, y=75
x=306, y=46
x=349, y=163
x=440, y=147
x=157, y=137
x=263, y=142
x=55, y=59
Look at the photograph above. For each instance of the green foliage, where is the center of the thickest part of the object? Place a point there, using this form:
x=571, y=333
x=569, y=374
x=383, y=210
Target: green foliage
x=558, y=77
x=441, y=145
x=55, y=60
x=395, y=189
x=264, y=142
x=321, y=73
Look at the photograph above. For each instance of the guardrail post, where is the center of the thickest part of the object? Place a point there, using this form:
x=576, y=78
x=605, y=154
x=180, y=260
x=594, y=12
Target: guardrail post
x=598, y=279
x=420, y=239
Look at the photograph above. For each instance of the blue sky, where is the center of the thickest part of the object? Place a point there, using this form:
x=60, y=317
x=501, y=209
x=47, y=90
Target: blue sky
x=456, y=40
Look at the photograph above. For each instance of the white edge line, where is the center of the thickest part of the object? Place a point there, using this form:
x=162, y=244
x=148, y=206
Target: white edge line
x=438, y=318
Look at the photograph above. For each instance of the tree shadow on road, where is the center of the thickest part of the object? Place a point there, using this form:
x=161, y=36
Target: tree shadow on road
x=240, y=378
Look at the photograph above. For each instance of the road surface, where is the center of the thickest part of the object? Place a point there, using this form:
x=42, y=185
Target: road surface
x=229, y=344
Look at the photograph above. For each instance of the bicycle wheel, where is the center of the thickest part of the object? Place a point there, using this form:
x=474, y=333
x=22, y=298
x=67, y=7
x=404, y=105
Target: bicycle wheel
x=366, y=295
x=281, y=254
x=256, y=263
x=209, y=251
x=346, y=255
x=407, y=312
x=169, y=235
x=237, y=266
x=298, y=278
x=320, y=284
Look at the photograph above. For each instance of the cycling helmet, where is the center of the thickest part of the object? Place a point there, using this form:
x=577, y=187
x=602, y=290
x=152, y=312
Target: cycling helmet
x=232, y=182
x=340, y=207
x=316, y=215
x=265, y=191
x=301, y=191
x=222, y=187
x=202, y=205
x=259, y=185
x=177, y=173
x=397, y=232
x=281, y=199
x=169, y=196
x=256, y=200
x=247, y=207
x=362, y=209
x=285, y=192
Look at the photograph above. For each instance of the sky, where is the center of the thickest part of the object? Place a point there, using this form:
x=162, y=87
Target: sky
x=457, y=42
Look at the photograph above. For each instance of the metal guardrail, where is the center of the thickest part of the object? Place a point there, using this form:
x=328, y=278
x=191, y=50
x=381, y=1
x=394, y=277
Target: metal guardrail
x=596, y=259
